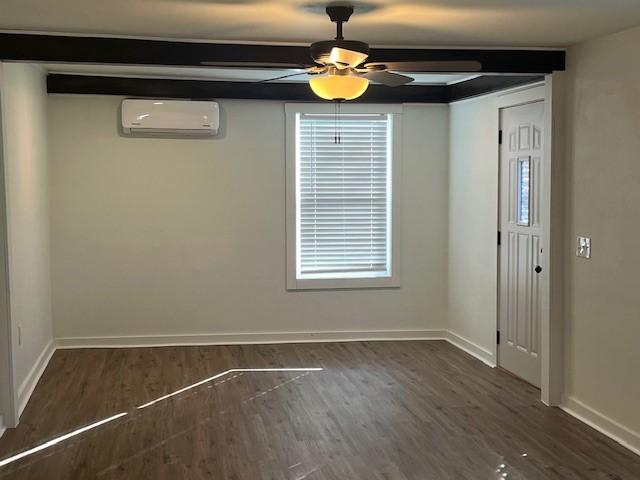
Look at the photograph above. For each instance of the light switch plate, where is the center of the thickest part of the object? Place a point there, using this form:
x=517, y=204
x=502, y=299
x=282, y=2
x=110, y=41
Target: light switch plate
x=583, y=249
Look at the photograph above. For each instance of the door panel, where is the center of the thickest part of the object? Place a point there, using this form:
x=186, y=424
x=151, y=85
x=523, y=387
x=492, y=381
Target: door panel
x=520, y=254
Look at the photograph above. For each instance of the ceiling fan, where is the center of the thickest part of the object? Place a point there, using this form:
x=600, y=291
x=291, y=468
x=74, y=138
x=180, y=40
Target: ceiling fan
x=340, y=71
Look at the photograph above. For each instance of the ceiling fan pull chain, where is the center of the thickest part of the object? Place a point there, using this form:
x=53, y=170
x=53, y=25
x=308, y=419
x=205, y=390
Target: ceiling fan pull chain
x=339, y=123
x=335, y=122
x=337, y=127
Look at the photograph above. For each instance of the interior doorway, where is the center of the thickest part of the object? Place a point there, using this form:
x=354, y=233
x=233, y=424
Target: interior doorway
x=522, y=240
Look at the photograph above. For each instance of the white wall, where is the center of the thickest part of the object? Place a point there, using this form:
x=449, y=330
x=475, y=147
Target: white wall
x=175, y=236
x=603, y=201
x=24, y=101
x=473, y=222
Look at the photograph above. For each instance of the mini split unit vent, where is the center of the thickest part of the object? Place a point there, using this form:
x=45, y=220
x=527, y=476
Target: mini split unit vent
x=170, y=117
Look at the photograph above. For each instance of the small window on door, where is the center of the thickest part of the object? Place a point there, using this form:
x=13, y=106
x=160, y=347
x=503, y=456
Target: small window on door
x=524, y=184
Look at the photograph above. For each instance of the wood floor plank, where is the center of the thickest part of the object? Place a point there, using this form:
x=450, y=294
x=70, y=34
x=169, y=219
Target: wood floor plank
x=376, y=411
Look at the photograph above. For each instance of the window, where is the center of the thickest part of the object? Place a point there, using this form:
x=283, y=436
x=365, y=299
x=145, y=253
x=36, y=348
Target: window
x=341, y=203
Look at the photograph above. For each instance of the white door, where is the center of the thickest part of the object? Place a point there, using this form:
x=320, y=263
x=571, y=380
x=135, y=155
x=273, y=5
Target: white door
x=521, y=237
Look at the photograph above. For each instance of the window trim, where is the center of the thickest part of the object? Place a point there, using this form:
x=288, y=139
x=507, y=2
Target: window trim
x=392, y=281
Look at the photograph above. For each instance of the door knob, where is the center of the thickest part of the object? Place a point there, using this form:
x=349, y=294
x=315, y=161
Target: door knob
x=538, y=269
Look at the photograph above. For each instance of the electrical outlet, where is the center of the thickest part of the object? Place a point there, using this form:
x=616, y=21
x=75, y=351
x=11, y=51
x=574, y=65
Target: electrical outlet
x=583, y=249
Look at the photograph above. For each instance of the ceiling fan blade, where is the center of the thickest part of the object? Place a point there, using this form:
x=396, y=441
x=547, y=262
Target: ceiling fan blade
x=343, y=58
x=282, y=77
x=387, y=78
x=317, y=69
x=443, y=66
x=255, y=65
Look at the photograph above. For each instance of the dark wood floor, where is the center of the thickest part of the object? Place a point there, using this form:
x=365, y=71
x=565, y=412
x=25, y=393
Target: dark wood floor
x=377, y=411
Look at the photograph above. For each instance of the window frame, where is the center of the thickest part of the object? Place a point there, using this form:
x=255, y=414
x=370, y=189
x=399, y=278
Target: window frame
x=391, y=281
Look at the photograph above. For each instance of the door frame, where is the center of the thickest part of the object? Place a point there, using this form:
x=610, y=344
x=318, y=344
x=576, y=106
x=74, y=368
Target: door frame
x=9, y=414
x=8, y=392
x=551, y=285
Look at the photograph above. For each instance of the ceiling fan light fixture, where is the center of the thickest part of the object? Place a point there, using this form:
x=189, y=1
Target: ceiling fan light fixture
x=339, y=87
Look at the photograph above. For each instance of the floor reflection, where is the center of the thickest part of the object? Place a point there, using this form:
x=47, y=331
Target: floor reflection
x=60, y=439
x=230, y=375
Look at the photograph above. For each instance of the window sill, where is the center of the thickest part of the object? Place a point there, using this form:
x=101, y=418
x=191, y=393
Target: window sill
x=342, y=283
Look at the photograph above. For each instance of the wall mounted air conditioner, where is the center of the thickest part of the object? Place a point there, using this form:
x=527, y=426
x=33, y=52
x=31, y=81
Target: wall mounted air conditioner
x=170, y=117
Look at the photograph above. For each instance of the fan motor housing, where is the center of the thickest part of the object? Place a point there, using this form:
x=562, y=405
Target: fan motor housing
x=320, y=51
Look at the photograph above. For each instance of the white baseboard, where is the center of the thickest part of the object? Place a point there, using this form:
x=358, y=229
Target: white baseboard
x=247, y=338
x=132, y=341
x=471, y=348
x=29, y=384
x=609, y=427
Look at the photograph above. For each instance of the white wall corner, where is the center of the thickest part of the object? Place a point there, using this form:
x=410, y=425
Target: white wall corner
x=471, y=348
x=600, y=422
x=3, y=428
x=29, y=384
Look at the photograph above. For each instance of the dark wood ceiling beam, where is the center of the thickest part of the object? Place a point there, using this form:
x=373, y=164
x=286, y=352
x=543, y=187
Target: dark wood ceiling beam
x=493, y=61
x=74, y=49
x=204, y=89
x=58, y=48
x=488, y=84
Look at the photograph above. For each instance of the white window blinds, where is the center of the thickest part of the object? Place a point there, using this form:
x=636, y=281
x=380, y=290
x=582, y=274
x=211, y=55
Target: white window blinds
x=343, y=195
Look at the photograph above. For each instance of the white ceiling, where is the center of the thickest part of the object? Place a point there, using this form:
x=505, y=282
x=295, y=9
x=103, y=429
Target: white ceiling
x=229, y=74
x=381, y=22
